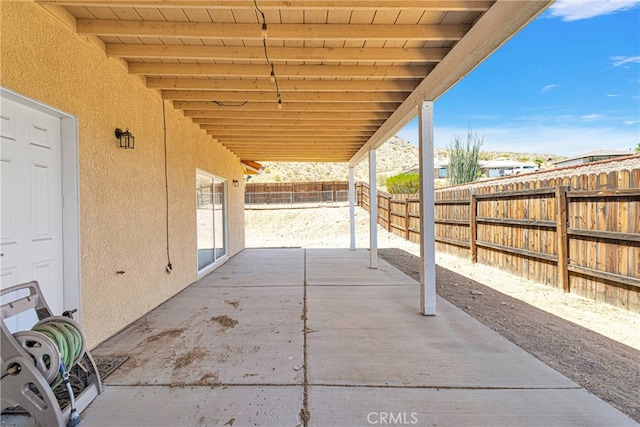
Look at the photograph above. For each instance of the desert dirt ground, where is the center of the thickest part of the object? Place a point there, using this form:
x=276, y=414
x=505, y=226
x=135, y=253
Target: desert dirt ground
x=594, y=344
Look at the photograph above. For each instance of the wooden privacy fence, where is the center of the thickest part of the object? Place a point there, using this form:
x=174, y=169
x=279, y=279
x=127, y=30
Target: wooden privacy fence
x=296, y=192
x=579, y=233
x=397, y=213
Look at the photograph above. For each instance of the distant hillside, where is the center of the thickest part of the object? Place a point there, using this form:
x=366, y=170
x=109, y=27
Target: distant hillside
x=393, y=157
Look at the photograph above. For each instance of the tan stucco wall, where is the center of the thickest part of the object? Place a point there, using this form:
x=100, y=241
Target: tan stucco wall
x=122, y=192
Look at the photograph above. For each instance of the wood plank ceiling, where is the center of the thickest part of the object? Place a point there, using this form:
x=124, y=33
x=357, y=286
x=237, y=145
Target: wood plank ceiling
x=296, y=80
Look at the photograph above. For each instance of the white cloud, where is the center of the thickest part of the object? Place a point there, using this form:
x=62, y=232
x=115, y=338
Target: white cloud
x=591, y=117
x=622, y=60
x=573, y=10
x=549, y=88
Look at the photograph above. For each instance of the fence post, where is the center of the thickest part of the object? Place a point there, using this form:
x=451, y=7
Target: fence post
x=563, y=242
x=389, y=214
x=406, y=218
x=473, y=226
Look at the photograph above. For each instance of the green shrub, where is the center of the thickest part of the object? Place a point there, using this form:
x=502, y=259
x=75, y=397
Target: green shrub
x=404, y=183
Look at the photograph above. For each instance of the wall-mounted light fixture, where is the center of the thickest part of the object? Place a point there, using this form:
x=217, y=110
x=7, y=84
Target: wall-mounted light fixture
x=126, y=139
x=236, y=183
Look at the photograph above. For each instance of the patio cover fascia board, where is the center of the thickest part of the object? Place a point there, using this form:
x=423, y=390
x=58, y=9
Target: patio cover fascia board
x=251, y=167
x=501, y=22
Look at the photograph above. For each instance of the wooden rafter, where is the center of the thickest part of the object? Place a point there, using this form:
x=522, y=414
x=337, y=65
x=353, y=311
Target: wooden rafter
x=284, y=115
x=286, y=139
x=277, y=54
x=338, y=107
x=265, y=135
x=284, y=129
x=264, y=85
x=299, y=97
x=261, y=122
x=435, y=5
x=398, y=71
x=207, y=30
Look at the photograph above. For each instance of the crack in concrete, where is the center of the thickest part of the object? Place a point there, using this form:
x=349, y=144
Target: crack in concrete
x=304, y=411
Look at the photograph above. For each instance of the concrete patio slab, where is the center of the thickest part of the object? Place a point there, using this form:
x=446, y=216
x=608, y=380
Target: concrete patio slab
x=274, y=267
x=356, y=331
x=367, y=406
x=195, y=406
x=362, y=349
x=206, y=335
x=337, y=267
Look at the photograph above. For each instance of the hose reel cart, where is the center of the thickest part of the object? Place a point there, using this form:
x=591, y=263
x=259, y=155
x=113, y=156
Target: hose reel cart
x=41, y=367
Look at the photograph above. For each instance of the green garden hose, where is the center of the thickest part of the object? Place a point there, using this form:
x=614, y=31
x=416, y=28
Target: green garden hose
x=68, y=340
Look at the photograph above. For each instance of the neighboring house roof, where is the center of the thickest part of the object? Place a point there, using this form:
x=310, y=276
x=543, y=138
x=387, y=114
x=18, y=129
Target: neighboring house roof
x=441, y=163
x=437, y=163
x=501, y=164
x=597, y=153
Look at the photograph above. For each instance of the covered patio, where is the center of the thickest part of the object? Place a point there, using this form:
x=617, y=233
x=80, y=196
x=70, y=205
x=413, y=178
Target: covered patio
x=255, y=337
x=313, y=336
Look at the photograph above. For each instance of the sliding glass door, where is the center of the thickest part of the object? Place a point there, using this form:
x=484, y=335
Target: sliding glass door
x=211, y=206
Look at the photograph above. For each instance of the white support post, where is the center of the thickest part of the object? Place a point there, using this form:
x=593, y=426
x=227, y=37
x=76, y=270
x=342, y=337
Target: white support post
x=373, y=211
x=427, y=214
x=352, y=209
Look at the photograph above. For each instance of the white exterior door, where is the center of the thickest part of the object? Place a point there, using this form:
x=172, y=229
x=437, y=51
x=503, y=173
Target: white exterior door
x=31, y=192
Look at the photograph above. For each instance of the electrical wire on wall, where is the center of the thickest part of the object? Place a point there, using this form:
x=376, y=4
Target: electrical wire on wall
x=169, y=267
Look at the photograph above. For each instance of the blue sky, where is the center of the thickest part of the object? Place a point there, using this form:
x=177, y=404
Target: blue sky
x=566, y=84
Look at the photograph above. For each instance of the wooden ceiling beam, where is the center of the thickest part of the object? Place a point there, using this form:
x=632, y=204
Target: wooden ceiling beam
x=288, y=106
x=293, y=155
x=268, y=147
x=284, y=130
x=248, y=128
x=231, y=31
x=281, y=139
x=277, y=54
x=257, y=122
x=322, y=156
x=259, y=153
x=325, y=158
x=282, y=71
x=257, y=149
x=285, y=143
x=434, y=5
x=264, y=85
x=291, y=115
x=266, y=136
x=269, y=96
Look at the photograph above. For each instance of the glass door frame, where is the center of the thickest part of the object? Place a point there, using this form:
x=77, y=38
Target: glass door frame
x=225, y=222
